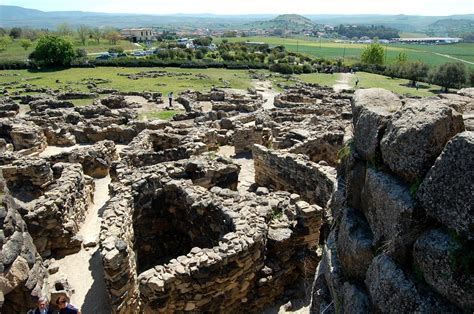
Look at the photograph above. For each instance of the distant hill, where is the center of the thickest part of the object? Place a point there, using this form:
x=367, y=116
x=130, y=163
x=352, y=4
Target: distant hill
x=17, y=16
x=451, y=27
x=406, y=23
x=292, y=22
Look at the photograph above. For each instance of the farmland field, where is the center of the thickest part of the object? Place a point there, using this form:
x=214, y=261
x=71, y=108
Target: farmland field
x=351, y=52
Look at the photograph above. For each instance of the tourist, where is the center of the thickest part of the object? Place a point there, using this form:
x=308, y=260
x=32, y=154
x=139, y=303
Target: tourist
x=65, y=307
x=43, y=307
x=170, y=97
x=357, y=81
x=417, y=85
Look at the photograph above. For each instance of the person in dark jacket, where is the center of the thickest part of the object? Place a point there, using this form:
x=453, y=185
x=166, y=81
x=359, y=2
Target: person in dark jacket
x=65, y=307
x=43, y=307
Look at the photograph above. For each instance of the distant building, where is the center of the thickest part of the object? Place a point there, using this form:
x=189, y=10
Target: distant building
x=138, y=34
x=428, y=40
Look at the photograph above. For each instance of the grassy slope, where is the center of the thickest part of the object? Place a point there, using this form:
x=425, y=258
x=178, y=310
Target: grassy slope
x=352, y=52
x=73, y=77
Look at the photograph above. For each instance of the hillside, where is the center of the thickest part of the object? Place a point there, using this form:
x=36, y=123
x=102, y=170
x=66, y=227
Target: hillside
x=451, y=27
x=291, y=22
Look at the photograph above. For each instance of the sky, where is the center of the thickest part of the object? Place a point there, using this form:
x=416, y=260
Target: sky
x=305, y=7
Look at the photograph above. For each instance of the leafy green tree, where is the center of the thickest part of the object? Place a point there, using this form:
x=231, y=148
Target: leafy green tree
x=81, y=53
x=53, y=51
x=15, y=32
x=373, y=54
x=5, y=41
x=112, y=36
x=25, y=43
x=450, y=75
x=203, y=41
x=83, y=33
x=414, y=71
x=471, y=78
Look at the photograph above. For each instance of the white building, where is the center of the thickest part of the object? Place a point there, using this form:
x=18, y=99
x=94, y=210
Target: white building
x=138, y=34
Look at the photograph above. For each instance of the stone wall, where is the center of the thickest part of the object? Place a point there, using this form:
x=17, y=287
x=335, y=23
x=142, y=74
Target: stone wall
x=53, y=202
x=22, y=275
x=246, y=137
x=403, y=212
x=240, y=252
x=294, y=173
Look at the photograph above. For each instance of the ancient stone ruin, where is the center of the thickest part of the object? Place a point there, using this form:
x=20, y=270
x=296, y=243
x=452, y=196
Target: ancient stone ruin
x=347, y=202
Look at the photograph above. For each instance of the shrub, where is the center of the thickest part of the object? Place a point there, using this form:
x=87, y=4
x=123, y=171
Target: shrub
x=116, y=50
x=53, y=51
x=373, y=54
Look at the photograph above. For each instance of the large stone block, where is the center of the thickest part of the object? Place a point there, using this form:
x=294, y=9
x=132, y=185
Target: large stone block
x=371, y=109
x=354, y=244
x=439, y=256
x=355, y=299
x=390, y=211
x=416, y=135
x=392, y=291
x=447, y=193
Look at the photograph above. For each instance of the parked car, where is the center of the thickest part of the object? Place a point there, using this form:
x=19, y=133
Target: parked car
x=139, y=53
x=104, y=57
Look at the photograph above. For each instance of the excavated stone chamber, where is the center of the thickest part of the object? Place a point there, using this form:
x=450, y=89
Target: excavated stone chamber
x=165, y=228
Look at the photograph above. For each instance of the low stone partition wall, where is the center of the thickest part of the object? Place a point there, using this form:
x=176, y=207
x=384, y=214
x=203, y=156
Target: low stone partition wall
x=154, y=146
x=25, y=136
x=246, y=137
x=53, y=202
x=403, y=212
x=324, y=147
x=170, y=246
x=95, y=159
x=294, y=173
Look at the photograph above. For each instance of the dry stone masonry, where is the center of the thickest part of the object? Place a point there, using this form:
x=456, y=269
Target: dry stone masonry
x=403, y=212
x=235, y=204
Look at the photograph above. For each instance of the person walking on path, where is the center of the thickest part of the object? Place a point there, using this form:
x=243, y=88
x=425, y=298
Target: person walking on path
x=65, y=307
x=170, y=98
x=357, y=81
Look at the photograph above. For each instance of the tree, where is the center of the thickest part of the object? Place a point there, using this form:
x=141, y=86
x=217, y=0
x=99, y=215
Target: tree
x=96, y=34
x=15, y=32
x=64, y=29
x=471, y=78
x=113, y=37
x=53, y=51
x=203, y=41
x=450, y=75
x=373, y=54
x=5, y=41
x=83, y=32
x=25, y=43
x=81, y=53
x=414, y=71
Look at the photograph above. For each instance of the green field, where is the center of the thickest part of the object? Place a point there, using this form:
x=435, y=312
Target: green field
x=351, y=52
x=75, y=79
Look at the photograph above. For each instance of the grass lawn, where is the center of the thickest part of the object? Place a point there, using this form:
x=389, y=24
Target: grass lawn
x=398, y=86
x=368, y=80
x=162, y=115
x=75, y=78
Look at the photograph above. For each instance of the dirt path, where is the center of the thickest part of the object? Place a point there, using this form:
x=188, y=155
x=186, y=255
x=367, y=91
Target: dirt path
x=454, y=58
x=84, y=270
x=247, y=169
x=343, y=82
x=265, y=89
